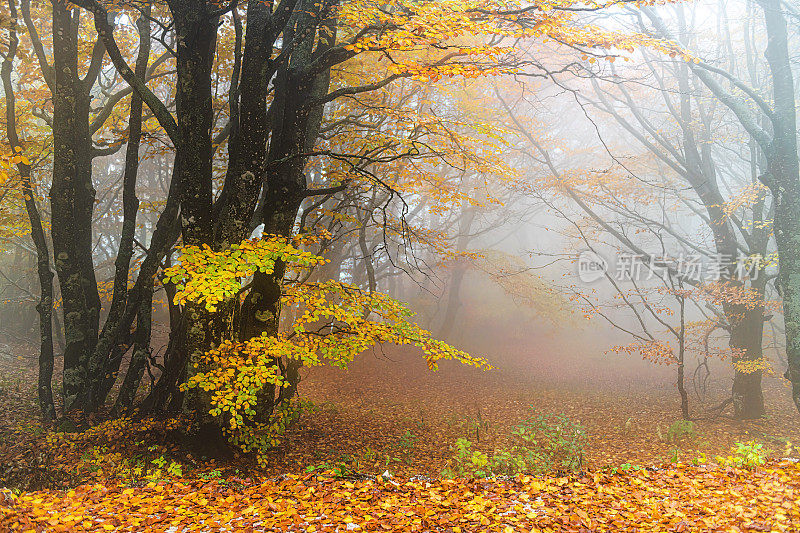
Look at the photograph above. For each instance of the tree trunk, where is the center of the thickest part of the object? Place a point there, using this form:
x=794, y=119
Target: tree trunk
x=459, y=271
x=746, y=336
x=45, y=305
x=294, y=132
x=103, y=369
x=366, y=255
x=71, y=202
x=784, y=182
x=196, y=35
x=745, y=325
x=682, y=361
x=787, y=233
x=247, y=145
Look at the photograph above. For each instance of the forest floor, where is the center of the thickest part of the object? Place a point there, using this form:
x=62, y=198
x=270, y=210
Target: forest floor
x=387, y=413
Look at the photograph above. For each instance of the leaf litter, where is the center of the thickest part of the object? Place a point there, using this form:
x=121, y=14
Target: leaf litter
x=326, y=477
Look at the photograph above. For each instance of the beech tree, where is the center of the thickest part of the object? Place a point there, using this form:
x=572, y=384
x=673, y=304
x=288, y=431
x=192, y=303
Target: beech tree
x=45, y=305
x=691, y=154
x=777, y=142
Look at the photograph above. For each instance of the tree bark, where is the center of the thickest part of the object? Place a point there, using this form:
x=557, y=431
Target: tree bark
x=247, y=145
x=103, y=369
x=784, y=182
x=295, y=128
x=72, y=198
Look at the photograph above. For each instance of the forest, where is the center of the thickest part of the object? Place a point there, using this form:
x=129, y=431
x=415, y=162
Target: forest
x=400, y=265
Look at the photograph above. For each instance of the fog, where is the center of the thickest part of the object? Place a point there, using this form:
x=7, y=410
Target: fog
x=595, y=209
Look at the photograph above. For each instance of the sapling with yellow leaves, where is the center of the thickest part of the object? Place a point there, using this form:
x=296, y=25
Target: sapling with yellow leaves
x=333, y=323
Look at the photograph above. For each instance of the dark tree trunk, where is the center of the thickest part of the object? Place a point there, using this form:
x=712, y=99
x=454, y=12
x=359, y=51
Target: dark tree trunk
x=295, y=127
x=140, y=298
x=286, y=185
x=140, y=354
x=746, y=341
x=102, y=369
x=682, y=361
x=72, y=201
x=196, y=36
x=247, y=145
x=45, y=305
x=366, y=254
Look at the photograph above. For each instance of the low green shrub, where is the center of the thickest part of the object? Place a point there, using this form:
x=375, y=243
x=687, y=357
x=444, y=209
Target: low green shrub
x=745, y=455
x=543, y=443
x=680, y=429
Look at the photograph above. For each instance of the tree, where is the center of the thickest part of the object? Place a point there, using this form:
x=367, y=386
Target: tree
x=693, y=158
x=23, y=165
x=779, y=148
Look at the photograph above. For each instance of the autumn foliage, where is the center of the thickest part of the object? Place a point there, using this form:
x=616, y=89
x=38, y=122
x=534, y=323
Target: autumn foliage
x=333, y=322
x=674, y=499
x=228, y=215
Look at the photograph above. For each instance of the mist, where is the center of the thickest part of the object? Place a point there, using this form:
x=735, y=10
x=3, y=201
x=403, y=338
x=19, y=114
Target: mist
x=432, y=243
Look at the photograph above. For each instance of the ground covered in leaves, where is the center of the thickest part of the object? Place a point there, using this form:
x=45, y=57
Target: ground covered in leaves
x=389, y=414
x=673, y=499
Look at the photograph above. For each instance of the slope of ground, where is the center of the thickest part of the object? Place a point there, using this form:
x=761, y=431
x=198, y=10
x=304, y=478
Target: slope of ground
x=388, y=413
